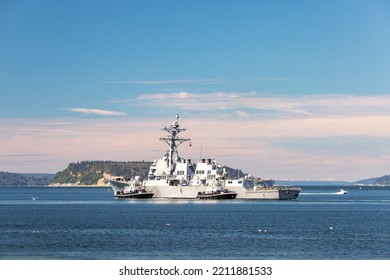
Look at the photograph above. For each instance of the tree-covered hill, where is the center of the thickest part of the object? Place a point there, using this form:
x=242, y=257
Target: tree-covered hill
x=17, y=179
x=90, y=172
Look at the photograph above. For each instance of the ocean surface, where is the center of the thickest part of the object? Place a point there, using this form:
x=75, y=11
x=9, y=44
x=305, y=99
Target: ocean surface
x=87, y=223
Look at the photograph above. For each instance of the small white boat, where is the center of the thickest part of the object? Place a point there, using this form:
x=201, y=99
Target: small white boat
x=342, y=191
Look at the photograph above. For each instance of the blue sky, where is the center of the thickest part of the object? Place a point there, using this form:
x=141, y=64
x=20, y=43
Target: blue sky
x=282, y=89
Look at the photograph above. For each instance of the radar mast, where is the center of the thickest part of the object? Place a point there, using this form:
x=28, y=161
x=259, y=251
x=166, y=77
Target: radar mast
x=173, y=141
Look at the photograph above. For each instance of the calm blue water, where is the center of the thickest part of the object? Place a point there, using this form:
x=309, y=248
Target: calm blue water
x=87, y=223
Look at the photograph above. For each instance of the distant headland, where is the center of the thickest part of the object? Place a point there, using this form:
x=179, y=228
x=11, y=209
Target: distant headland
x=25, y=179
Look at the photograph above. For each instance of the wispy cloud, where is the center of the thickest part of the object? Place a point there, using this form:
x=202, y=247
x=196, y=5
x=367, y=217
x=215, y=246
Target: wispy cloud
x=242, y=142
x=220, y=122
x=165, y=96
x=162, y=82
x=96, y=112
x=53, y=147
x=203, y=81
x=212, y=102
x=241, y=114
x=24, y=155
x=155, y=97
x=257, y=104
x=280, y=78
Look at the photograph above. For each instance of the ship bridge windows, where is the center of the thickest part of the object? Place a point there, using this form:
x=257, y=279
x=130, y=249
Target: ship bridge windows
x=180, y=172
x=173, y=182
x=199, y=172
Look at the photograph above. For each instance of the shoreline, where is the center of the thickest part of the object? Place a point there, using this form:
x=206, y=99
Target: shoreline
x=108, y=186
x=77, y=186
x=59, y=186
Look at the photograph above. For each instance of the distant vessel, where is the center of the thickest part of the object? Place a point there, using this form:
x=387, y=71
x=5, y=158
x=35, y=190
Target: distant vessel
x=342, y=191
x=128, y=189
x=174, y=177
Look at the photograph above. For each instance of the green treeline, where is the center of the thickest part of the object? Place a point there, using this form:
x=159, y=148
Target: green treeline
x=89, y=172
x=17, y=179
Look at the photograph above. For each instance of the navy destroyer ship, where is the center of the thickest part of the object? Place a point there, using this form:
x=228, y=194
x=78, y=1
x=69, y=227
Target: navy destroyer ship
x=174, y=177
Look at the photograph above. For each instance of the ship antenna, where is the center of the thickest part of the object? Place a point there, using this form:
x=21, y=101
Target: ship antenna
x=173, y=141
